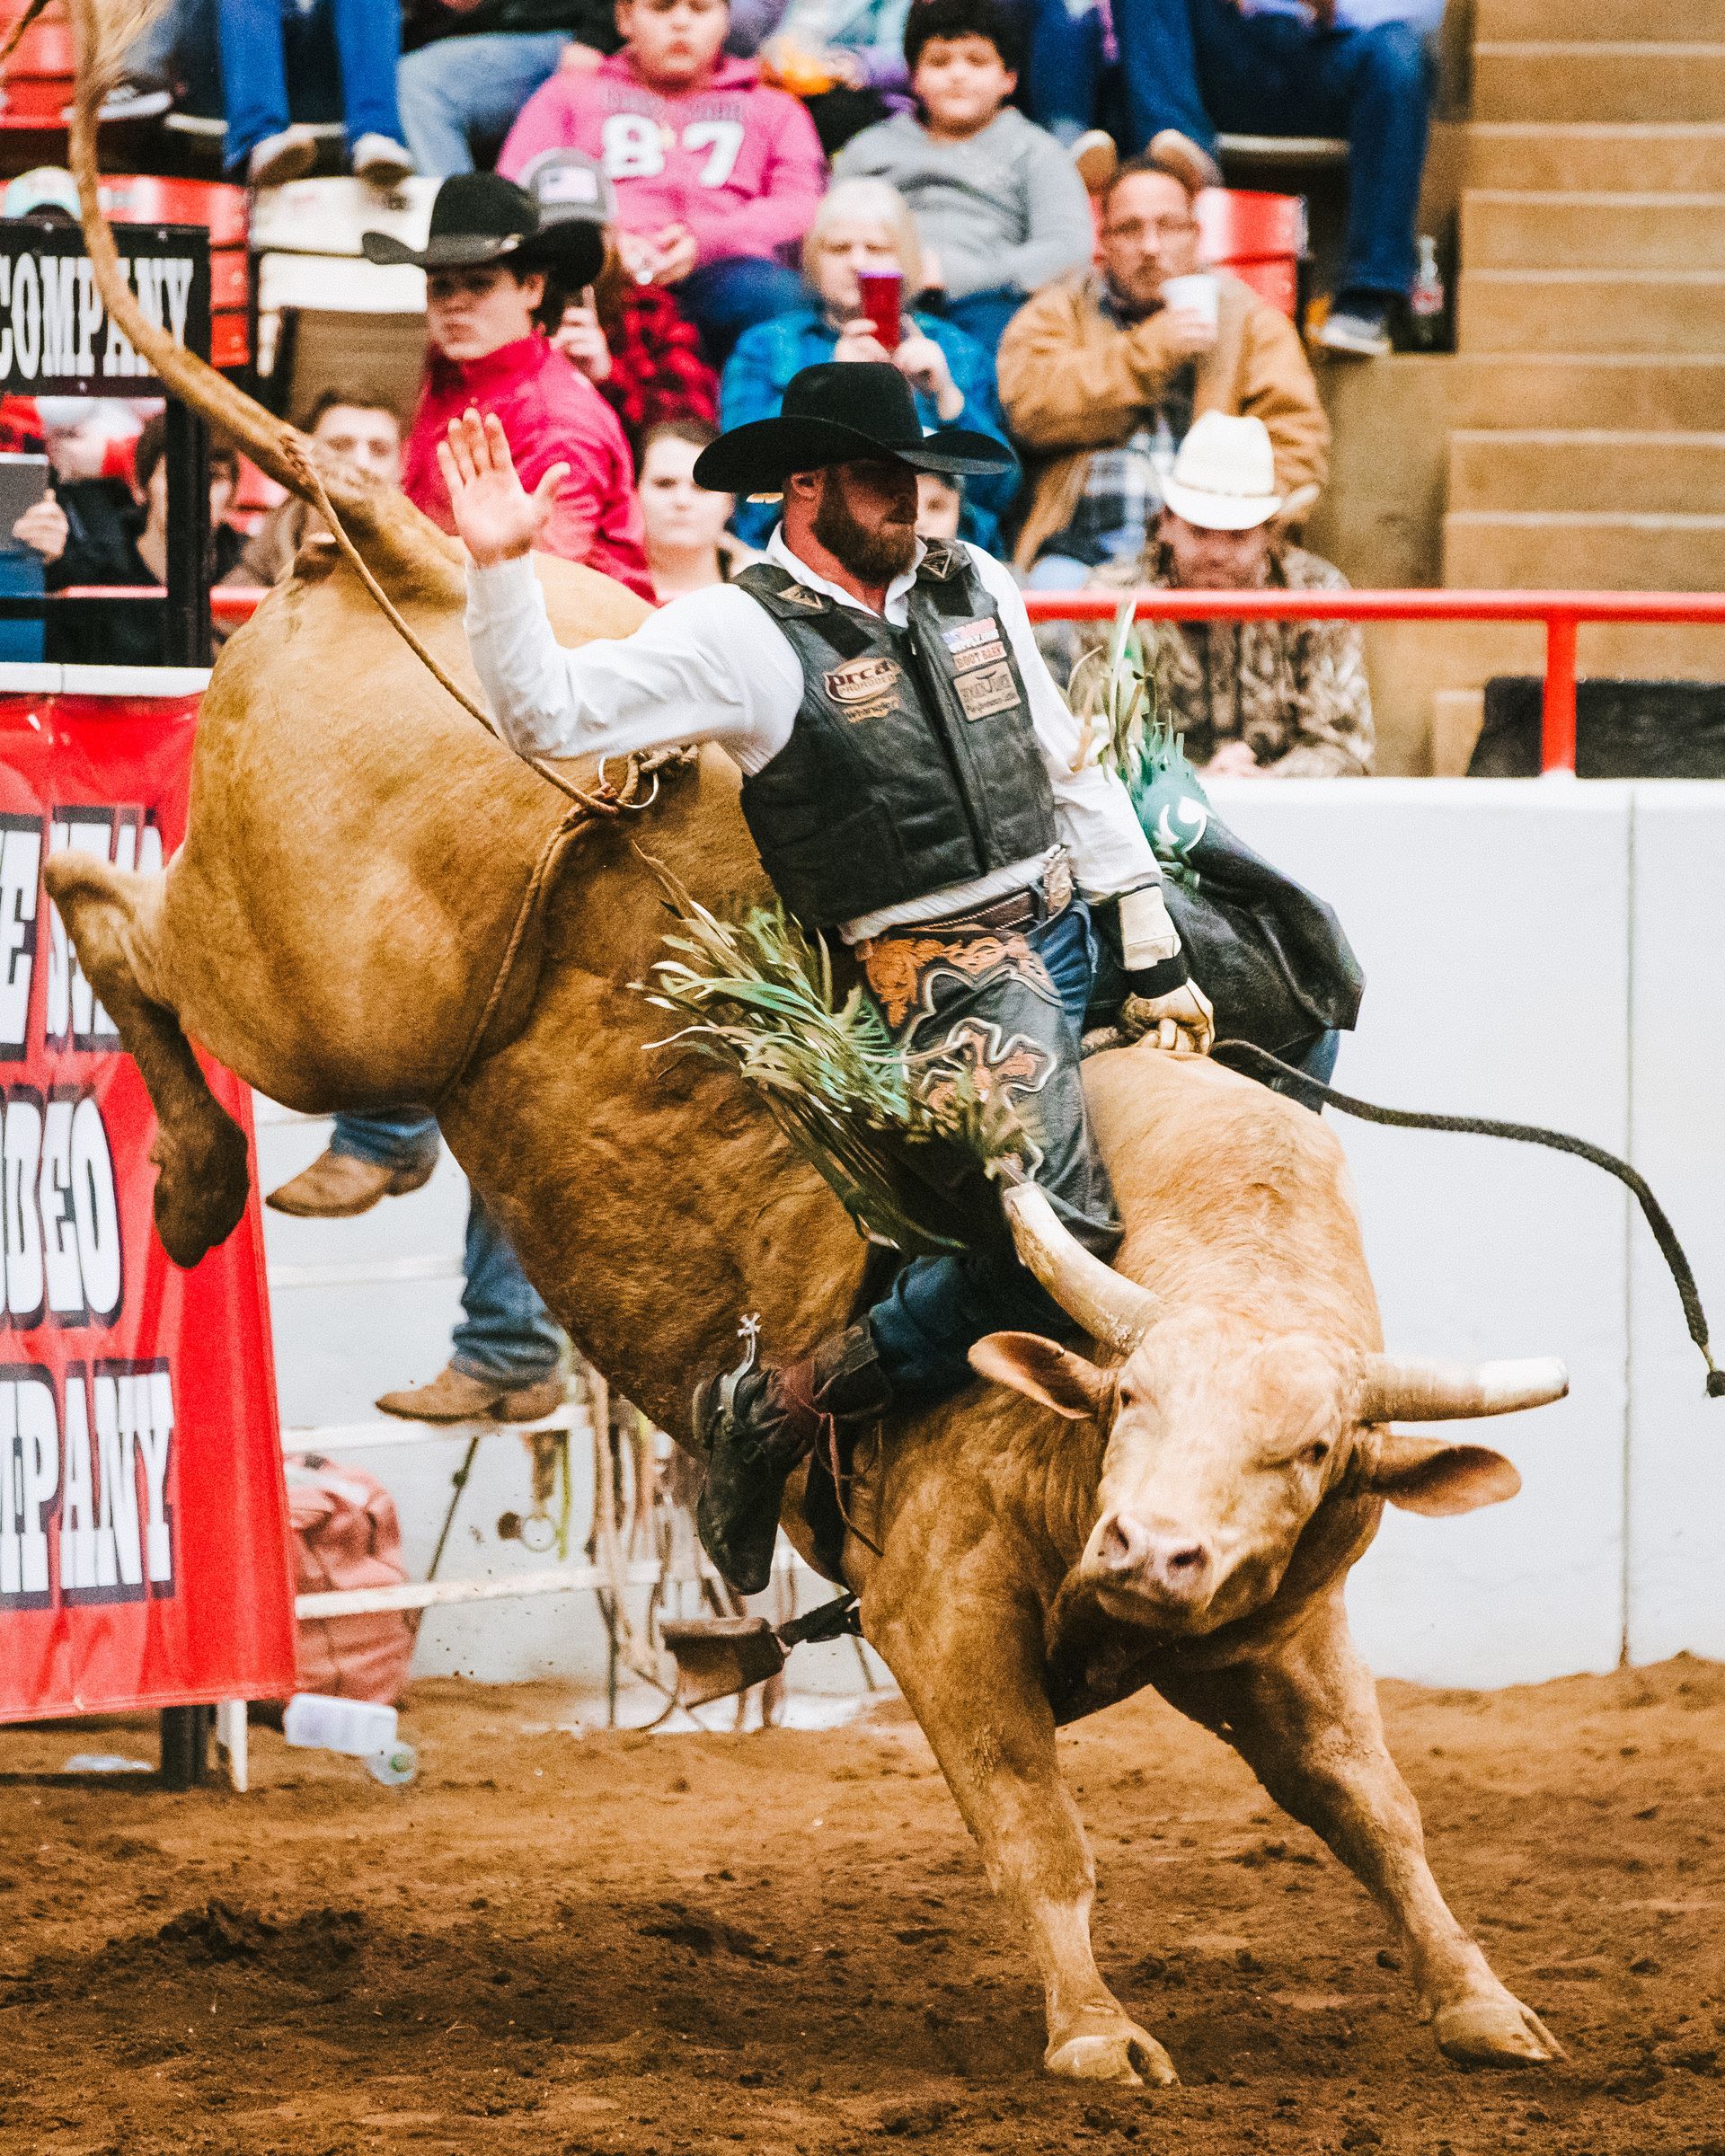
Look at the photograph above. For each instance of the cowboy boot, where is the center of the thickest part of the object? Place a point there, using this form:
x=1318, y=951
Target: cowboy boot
x=756, y=1424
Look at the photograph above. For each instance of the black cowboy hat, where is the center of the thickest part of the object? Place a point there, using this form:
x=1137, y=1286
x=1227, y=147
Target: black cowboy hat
x=836, y=413
x=478, y=219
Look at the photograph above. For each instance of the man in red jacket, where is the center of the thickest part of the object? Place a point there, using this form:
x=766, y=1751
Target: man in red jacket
x=492, y=273
x=489, y=272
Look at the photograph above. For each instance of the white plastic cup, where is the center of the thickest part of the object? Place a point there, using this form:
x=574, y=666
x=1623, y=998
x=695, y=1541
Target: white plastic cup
x=359, y=1727
x=1201, y=292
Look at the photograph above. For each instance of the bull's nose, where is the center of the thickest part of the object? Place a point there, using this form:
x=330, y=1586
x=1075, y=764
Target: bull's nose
x=1174, y=1566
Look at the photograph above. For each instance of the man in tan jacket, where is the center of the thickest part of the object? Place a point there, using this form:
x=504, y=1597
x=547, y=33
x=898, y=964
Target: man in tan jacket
x=1103, y=373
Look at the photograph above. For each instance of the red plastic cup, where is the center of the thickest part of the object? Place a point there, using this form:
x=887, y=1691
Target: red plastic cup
x=879, y=293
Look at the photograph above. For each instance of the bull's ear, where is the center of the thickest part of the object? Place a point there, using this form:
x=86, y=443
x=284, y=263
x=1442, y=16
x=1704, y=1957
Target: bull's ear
x=1041, y=1369
x=1431, y=1475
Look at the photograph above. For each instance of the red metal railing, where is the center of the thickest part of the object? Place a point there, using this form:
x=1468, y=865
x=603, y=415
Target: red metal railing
x=1562, y=611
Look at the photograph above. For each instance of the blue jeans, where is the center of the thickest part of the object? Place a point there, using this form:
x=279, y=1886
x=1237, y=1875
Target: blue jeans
x=342, y=56
x=1062, y=85
x=938, y=1308
x=723, y=299
x=1200, y=65
x=462, y=94
x=507, y=1331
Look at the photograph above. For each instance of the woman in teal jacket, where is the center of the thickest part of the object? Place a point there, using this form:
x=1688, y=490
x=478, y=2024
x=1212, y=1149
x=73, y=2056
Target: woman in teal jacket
x=864, y=225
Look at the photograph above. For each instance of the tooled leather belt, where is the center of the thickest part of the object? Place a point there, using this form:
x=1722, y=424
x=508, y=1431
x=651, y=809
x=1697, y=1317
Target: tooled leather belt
x=1019, y=909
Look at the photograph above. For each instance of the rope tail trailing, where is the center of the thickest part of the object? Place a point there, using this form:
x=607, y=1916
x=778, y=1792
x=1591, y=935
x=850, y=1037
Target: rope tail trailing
x=1247, y=1054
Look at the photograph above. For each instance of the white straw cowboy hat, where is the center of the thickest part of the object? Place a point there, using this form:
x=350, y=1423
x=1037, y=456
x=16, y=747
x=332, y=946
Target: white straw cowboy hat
x=1223, y=479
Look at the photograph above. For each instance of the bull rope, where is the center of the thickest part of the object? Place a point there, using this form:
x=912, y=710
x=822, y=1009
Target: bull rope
x=1525, y=1133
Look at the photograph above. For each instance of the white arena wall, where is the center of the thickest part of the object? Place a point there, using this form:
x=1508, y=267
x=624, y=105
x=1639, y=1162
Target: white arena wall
x=1546, y=950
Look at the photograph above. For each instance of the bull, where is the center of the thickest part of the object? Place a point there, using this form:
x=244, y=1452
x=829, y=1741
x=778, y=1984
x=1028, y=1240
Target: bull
x=376, y=901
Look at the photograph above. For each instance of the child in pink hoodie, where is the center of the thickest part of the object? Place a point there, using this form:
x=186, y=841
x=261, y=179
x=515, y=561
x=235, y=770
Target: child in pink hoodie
x=717, y=175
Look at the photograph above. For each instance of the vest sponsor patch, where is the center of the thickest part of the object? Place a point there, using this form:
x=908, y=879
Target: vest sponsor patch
x=979, y=655
x=866, y=688
x=985, y=694
x=794, y=594
x=968, y=635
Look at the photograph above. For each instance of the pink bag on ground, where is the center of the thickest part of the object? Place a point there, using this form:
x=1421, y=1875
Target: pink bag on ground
x=347, y=1534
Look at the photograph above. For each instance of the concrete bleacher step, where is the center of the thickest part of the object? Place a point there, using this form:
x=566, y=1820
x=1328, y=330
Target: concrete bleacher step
x=1678, y=392
x=1595, y=156
x=1699, y=22
x=1549, y=550
x=1595, y=471
x=1616, y=310
x=1517, y=229
x=1551, y=79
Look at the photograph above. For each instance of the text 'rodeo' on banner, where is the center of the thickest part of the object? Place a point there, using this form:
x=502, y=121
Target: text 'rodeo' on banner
x=142, y=1555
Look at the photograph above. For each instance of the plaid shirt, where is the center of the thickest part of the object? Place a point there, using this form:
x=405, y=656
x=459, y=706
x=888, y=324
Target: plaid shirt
x=1122, y=496
x=656, y=370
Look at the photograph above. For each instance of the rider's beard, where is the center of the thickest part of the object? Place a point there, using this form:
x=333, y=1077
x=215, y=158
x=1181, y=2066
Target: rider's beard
x=874, y=554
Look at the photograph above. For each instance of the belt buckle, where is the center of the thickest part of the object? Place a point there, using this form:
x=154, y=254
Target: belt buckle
x=1057, y=885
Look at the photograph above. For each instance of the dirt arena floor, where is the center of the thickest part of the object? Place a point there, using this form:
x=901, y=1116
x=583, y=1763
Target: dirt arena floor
x=660, y=1945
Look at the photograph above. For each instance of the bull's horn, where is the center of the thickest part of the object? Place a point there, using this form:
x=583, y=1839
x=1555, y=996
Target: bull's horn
x=1404, y=1389
x=1110, y=1307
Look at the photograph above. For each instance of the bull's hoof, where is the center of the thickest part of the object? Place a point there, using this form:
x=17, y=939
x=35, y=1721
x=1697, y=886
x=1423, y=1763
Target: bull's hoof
x=201, y=1190
x=1109, y=2049
x=1497, y=2030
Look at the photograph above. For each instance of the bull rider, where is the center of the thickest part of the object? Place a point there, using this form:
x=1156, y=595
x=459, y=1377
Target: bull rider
x=914, y=781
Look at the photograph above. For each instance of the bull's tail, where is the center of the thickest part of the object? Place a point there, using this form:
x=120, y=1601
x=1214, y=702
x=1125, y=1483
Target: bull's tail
x=393, y=535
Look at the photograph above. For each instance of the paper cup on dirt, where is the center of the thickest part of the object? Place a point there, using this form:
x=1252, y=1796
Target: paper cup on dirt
x=1201, y=292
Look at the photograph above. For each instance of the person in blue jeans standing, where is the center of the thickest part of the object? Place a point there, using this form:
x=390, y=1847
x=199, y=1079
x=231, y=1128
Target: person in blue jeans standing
x=475, y=63
x=1361, y=68
x=506, y=1353
x=333, y=49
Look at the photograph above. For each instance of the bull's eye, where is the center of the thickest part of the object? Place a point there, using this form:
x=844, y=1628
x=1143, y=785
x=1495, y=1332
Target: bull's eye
x=1316, y=1452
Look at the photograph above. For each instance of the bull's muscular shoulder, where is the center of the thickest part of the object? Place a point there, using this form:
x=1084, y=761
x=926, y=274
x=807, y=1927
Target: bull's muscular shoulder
x=1227, y=1188
x=585, y=606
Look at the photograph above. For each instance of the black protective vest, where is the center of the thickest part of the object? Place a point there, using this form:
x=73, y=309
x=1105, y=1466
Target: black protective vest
x=913, y=763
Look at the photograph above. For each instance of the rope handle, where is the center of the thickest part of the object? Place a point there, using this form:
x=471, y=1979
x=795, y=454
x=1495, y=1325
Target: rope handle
x=1525, y=1133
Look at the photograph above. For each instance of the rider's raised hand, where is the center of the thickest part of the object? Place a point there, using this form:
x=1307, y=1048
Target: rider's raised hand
x=497, y=518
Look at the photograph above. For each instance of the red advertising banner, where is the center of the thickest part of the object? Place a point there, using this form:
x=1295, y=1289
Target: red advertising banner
x=143, y=1527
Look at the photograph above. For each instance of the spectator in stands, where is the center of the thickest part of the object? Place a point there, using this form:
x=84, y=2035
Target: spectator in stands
x=716, y=173
x=845, y=58
x=999, y=207
x=940, y=506
x=349, y=423
x=864, y=225
x=1101, y=375
x=688, y=547
x=1252, y=698
x=101, y=531
x=1360, y=68
x=262, y=41
x=493, y=277
x=1063, y=82
x=629, y=340
x=493, y=273
x=475, y=63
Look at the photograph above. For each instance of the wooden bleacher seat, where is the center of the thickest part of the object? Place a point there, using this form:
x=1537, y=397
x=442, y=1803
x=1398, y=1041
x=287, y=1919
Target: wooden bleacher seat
x=324, y=312
x=1281, y=149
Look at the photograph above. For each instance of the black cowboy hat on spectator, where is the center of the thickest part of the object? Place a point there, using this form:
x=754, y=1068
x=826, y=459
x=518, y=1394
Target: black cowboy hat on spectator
x=841, y=412
x=479, y=220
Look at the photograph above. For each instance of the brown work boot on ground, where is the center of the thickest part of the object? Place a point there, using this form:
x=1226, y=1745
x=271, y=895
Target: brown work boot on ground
x=338, y=1185
x=456, y=1396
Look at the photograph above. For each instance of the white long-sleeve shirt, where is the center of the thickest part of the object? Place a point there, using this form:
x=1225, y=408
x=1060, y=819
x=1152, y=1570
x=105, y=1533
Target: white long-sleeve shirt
x=714, y=666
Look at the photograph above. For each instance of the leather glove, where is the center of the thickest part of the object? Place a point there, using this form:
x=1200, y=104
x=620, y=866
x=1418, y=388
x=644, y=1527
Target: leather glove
x=1180, y=1018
